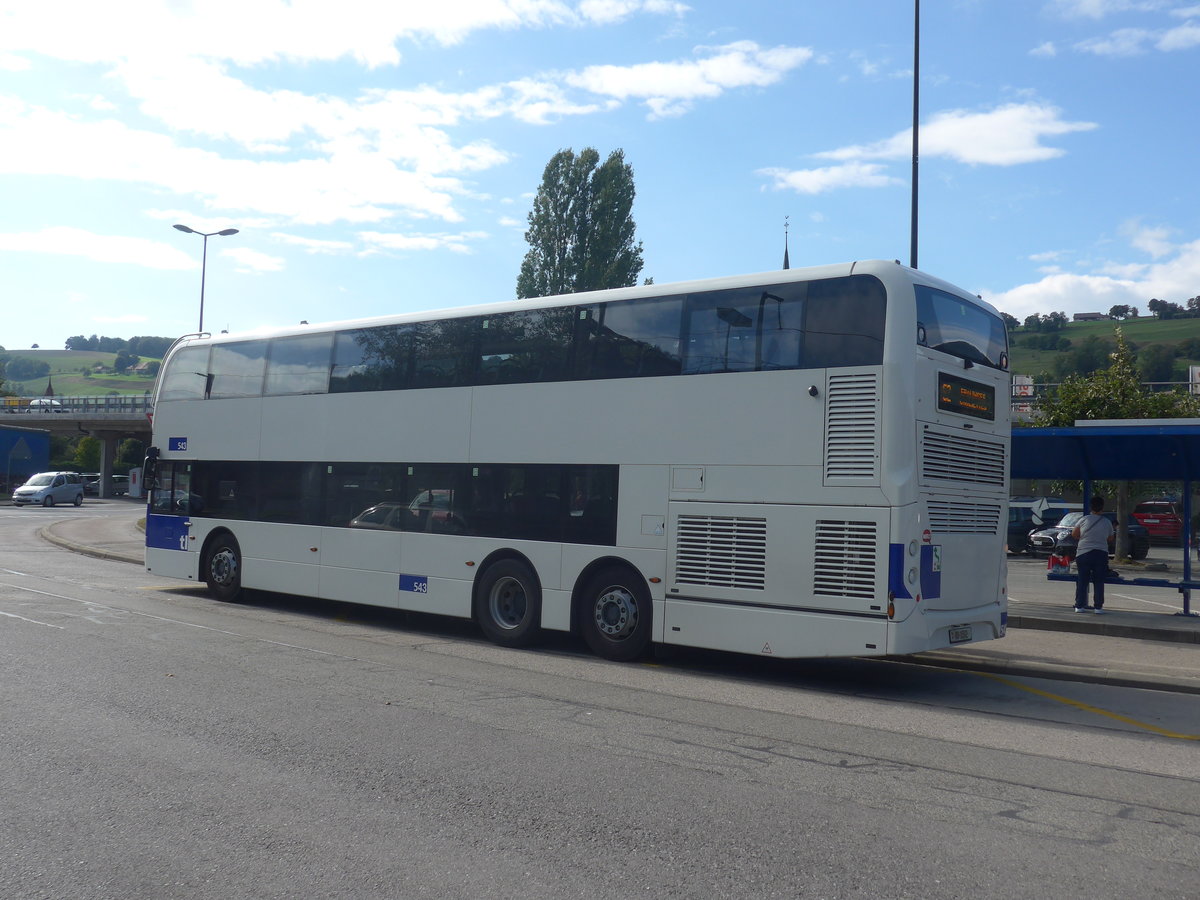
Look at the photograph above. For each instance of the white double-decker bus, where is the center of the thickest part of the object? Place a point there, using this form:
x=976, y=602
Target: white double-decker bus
x=804, y=463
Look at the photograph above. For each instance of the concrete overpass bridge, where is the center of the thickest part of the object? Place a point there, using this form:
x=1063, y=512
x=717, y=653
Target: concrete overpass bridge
x=109, y=419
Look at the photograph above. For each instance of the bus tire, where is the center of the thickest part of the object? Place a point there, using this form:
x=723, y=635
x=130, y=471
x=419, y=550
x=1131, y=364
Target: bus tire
x=223, y=569
x=508, y=603
x=616, y=614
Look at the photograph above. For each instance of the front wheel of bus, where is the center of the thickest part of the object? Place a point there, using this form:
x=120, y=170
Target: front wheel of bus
x=223, y=569
x=616, y=614
x=508, y=603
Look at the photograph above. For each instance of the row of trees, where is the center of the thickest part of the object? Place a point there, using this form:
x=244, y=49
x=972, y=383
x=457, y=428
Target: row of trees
x=144, y=345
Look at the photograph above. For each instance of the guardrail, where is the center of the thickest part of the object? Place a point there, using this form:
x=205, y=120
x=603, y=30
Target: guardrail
x=109, y=404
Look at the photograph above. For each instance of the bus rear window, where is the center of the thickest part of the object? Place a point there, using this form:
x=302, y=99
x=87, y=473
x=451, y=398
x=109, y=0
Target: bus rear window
x=958, y=327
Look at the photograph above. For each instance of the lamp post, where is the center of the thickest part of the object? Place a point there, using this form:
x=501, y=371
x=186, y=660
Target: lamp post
x=204, y=259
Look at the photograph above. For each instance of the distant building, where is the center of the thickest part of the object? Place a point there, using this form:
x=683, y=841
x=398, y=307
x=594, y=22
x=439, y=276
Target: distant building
x=1089, y=317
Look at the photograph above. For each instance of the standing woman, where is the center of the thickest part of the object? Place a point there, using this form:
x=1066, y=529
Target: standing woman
x=1092, y=537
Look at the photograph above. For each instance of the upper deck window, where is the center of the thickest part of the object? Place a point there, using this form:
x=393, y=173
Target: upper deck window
x=958, y=327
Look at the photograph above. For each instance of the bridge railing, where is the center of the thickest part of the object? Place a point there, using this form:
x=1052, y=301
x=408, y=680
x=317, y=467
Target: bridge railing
x=86, y=405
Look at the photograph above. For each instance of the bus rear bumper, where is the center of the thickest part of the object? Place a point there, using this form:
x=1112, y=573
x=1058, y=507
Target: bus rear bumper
x=937, y=629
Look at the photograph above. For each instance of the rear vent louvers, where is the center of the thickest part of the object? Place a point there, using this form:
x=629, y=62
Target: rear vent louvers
x=964, y=518
x=852, y=429
x=962, y=460
x=844, y=560
x=722, y=552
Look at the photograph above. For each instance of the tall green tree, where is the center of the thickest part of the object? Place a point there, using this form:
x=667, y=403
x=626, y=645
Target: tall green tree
x=581, y=228
x=1114, y=393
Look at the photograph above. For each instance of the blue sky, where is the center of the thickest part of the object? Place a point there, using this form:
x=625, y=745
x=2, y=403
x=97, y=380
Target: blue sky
x=381, y=157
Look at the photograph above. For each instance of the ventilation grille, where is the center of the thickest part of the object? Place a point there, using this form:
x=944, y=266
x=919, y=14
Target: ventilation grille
x=964, y=518
x=844, y=562
x=962, y=460
x=852, y=428
x=721, y=551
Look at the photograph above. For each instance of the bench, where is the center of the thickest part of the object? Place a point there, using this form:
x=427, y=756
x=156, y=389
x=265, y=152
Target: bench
x=1142, y=582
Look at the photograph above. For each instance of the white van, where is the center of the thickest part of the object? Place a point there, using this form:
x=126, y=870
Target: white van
x=49, y=488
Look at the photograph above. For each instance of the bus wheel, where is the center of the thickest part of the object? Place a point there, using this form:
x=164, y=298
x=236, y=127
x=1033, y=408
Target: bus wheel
x=508, y=603
x=223, y=569
x=616, y=614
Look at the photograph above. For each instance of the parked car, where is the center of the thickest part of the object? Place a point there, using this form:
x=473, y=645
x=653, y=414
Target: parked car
x=91, y=482
x=1059, y=541
x=1162, y=518
x=49, y=488
x=1029, y=514
x=120, y=485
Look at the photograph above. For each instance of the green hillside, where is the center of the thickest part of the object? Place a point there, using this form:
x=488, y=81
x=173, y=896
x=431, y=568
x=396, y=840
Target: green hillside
x=1141, y=332
x=69, y=380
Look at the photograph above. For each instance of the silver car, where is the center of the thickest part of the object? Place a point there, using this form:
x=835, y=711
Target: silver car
x=49, y=488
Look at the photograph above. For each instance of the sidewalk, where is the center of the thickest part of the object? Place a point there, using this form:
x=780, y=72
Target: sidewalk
x=1046, y=639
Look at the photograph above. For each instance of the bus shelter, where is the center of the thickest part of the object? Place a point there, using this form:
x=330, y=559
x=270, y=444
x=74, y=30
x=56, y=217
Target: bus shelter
x=1119, y=450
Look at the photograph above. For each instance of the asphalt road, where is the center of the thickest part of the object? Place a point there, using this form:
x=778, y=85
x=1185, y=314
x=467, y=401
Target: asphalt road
x=159, y=744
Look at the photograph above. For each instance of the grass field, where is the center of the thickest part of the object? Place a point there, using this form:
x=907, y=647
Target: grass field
x=1142, y=332
x=70, y=382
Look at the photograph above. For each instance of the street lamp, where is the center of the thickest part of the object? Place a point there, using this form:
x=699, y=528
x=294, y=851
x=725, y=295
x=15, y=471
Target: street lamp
x=204, y=259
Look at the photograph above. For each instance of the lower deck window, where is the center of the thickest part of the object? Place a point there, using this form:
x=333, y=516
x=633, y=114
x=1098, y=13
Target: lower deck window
x=574, y=504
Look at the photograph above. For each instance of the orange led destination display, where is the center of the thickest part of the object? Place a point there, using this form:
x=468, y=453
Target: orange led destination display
x=966, y=397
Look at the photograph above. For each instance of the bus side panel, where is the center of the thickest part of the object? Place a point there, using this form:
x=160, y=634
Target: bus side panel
x=799, y=557
x=172, y=563
x=360, y=566
x=278, y=557
x=772, y=632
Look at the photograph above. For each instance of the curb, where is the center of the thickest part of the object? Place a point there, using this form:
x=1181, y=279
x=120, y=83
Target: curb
x=46, y=533
x=1059, y=671
x=1109, y=628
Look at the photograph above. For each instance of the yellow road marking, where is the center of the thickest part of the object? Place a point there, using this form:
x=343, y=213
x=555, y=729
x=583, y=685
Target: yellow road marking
x=1087, y=707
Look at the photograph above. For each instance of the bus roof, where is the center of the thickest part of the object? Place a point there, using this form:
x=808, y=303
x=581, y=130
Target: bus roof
x=860, y=267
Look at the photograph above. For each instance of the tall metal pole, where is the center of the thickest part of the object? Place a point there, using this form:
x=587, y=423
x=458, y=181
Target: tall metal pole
x=203, y=269
x=916, y=117
x=204, y=258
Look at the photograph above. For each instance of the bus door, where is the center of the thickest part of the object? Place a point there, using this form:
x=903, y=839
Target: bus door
x=168, y=521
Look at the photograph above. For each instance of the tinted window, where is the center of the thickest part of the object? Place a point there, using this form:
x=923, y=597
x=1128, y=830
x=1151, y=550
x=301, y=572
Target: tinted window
x=237, y=369
x=444, y=353
x=225, y=490
x=844, y=322
x=371, y=359
x=299, y=365
x=958, y=327
x=352, y=489
x=633, y=338
x=186, y=377
x=744, y=330
x=531, y=345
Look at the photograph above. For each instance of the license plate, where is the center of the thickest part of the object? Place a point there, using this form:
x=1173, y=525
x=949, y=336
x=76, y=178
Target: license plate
x=960, y=633
x=1150, y=521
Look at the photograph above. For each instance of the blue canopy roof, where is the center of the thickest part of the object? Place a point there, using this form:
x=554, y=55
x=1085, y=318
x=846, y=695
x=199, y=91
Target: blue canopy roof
x=1115, y=450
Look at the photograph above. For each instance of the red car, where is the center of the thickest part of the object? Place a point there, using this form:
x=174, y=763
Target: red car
x=1162, y=518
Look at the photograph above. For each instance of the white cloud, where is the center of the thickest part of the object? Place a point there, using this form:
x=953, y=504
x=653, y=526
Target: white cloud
x=1046, y=49
x=1122, y=42
x=1173, y=278
x=10, y=62
x=1006, y=136
x=1152, y=240
x=312, y=245
x=349, y=184
x=66, y=241
x=818, y=181
x=251, y=261
x=670, y=88
x=1099, y=9
x=457, y=243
